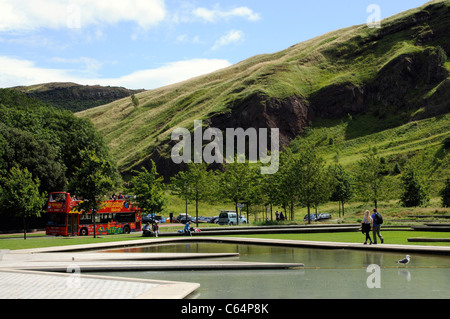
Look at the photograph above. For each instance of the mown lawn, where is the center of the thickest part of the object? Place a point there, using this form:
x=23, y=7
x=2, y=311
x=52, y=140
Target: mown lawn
x=391, y=237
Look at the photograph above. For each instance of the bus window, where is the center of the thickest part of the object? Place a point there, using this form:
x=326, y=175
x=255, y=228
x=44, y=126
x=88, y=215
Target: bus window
x=85, y=219
x=125, y=217
x=56, y=220
x=106, y=218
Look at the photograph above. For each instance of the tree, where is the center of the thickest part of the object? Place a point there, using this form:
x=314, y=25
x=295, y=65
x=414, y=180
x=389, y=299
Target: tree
x=20, y=192
x=92, y=181
x=195, y=184
x=149, y=191
x=342, y=190
x=370, y=178
x=134, y=100
x=414, y=189
x=22, y=149
x=236, y=182
x=285, y=183
x=445, y=194
x=311, y=178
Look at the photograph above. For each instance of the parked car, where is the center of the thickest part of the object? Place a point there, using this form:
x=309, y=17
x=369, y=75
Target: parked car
x=230, y=218
x=182, y=218
x=150, y=218
x=318, y=217
x=203, y=219
x=214, y=219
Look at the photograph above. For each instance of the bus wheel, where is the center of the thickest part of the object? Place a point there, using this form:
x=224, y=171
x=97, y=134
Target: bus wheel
x=84, y=232
x=126, y=229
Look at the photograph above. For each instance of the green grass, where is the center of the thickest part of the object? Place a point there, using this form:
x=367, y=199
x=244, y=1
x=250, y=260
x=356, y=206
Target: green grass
x=50, y=241
x=418, y=141
x=352, y=55
x=390, y=237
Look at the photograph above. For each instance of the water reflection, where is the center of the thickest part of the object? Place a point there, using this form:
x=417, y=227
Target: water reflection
x=327, y=273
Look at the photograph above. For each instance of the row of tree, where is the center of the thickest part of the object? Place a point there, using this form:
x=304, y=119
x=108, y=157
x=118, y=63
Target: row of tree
x=303, y=179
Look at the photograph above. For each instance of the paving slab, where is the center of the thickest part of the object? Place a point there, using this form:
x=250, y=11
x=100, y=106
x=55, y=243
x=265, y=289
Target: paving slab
x=19, y=284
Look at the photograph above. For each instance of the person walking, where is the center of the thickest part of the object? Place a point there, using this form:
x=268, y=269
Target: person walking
x=366, y=225
x=155, y=228
x=376, y=225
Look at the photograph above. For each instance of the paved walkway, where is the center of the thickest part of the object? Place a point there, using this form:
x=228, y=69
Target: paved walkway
x=60, y=272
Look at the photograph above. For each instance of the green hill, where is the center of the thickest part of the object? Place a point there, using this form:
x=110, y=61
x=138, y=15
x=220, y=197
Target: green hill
x=75, y=97
x=352, y=88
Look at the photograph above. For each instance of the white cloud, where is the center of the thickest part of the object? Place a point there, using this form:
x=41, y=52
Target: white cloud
x=89, y=65
x=217, y=14
x=232, y=36
x=15, y=72
x=20, y=15
x=168, y=74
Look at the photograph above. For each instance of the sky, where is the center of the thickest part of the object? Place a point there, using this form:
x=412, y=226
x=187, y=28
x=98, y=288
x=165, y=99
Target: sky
x=147, y=44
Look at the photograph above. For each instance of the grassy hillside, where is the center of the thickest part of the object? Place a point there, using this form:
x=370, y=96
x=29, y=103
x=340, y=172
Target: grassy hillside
x=383, y=78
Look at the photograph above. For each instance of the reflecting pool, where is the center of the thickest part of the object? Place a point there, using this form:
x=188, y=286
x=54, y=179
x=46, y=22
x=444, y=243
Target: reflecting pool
x=328, y=273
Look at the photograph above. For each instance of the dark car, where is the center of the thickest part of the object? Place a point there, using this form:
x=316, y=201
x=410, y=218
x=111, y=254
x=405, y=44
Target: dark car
x=182, y=218
x=318, y=217
x=214, y=219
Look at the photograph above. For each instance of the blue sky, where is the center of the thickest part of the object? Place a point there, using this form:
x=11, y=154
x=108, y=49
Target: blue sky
x=152, y=43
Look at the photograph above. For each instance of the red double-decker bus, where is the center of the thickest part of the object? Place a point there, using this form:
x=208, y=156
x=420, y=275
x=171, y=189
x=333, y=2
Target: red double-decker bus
x=114, y=217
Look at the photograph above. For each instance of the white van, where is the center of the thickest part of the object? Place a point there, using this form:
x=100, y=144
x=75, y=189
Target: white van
x=229, y=217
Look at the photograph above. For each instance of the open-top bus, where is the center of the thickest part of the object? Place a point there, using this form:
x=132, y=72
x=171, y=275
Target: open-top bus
x=114, y=217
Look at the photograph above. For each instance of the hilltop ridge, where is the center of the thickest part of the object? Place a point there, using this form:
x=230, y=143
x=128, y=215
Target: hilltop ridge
x=75, y=97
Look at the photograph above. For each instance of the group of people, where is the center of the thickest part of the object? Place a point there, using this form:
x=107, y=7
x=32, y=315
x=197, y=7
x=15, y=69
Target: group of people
x=148, y=231
x=373, y=222
x=116, y=197
x=279, y=216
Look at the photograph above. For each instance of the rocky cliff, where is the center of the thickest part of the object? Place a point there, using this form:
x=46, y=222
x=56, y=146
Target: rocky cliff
x=75, y=97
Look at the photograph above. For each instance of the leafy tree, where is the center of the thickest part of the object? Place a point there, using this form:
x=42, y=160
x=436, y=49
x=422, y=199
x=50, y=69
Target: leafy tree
x=149, y=191
x=285, y=183
x=237, y=182
x=20, y=192
x=342, y=189
x=91, y=182
x=23, y=150
x=445, y=194
x=370, y=178
x=134, y=100
x=195, y=184
x=312, y=180
x=414, y=189
x=59, y=134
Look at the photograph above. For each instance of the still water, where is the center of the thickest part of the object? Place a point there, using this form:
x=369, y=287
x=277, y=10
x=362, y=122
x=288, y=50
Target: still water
x=327, y=273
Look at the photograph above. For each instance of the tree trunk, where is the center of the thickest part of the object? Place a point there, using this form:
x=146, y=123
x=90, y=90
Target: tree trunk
x=196, y=209
x=309, y=216
x=94, y=222
x=24, y=228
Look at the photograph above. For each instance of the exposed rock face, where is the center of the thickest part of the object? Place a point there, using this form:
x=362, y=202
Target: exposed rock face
x=75, y=97
x=290, y=115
